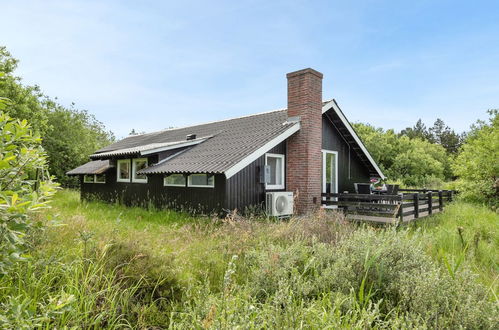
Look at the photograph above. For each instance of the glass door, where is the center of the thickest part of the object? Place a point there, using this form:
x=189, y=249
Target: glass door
x=330, y=173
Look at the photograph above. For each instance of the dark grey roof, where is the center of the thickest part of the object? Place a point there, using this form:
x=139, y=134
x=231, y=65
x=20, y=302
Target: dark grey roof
x=93, y=167
x=222, y=146
x=232, y=141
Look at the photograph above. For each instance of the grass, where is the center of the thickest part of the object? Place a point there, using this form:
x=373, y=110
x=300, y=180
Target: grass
x=111, y=266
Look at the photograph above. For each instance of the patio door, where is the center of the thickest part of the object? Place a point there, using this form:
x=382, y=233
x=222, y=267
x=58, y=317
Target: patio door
x=329, y=172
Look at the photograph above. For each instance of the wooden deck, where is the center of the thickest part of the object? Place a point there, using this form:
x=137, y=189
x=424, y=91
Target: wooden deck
x=407, y=206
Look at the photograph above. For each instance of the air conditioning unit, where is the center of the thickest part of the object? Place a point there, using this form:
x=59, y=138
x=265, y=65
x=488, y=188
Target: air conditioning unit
x=279, y=203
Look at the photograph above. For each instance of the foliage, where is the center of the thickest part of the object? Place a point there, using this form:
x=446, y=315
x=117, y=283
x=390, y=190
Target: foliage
x=477, y=165
x=414, y=162
x=439, y=133
x=118, y=267
x=24, y=186
x=69, y=135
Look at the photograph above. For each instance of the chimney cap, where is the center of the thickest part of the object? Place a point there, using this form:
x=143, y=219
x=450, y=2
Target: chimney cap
x=304, y=71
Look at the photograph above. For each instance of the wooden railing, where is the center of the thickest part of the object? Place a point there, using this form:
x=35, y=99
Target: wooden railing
x=408, y=205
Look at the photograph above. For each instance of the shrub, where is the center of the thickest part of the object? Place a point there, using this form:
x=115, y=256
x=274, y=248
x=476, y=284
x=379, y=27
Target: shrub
x=25, y=186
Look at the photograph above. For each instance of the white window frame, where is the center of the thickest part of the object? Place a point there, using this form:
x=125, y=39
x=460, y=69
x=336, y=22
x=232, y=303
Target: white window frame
x=283, y=174
x=118, y=166
x=95, y=178
x=189, y=181
x=89, y=175
x=324, y=155
x=134, y=171
x=172, y=184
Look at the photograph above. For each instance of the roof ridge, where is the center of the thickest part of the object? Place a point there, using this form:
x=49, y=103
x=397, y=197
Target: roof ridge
x=209, y=122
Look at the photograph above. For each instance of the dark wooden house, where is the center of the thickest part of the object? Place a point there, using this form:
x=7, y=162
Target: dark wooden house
x=308, y=148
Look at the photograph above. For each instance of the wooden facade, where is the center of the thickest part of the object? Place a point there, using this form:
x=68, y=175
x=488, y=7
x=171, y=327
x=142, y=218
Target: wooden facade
x=241, y=191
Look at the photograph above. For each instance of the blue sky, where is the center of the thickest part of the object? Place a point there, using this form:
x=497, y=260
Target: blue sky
x=150, y=65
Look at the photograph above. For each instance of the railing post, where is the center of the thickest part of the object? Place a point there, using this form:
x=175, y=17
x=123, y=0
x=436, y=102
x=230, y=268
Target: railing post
x=450, y=195
x=401, y=209
x=416, y=205
x=440, y=201
x=430, y=202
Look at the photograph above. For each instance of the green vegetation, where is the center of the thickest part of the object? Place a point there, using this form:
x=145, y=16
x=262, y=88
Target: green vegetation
x=412, y=161
x=24, y=186
x=477, y=165
x=112, y=266
x=90, y=264
x=69, y=135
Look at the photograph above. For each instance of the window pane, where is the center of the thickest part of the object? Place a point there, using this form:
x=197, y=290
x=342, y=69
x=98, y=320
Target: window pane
x=201, y=180
x=211, y=180
x=175, y=179
x=88, y=178
x=100, y=178
x=272, y=162
x=124, y=170
x=140, y=164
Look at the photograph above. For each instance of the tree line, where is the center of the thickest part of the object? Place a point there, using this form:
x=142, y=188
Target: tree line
x=69, y=135
x=417, y=156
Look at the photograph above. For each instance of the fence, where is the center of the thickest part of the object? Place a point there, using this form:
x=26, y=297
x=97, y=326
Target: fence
x=408, y=205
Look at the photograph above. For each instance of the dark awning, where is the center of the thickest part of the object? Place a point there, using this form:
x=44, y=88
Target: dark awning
x=92, y=167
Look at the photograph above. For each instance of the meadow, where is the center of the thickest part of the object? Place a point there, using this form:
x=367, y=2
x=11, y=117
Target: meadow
x=100, y=265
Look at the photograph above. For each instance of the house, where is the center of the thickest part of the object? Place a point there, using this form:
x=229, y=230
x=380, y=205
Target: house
x=308, y=148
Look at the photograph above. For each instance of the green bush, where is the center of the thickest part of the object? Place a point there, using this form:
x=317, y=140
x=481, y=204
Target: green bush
x=25, y=187
x=477, y=164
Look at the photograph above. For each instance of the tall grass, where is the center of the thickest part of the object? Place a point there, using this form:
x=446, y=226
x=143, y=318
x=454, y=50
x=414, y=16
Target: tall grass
x=108, y=266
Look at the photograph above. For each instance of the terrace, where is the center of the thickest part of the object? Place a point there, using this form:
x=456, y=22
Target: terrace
x=405, y=206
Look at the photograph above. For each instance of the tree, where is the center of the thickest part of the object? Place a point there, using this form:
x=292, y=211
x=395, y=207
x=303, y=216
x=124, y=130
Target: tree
x=413, y=161
x=419, y=131
x=445, y=136
x=69, y=135
x=477, y=165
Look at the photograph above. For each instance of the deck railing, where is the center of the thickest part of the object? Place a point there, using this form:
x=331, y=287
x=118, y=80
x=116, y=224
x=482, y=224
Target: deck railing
x=408, y=205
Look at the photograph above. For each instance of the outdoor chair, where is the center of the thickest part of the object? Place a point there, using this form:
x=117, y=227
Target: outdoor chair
x=364, y=188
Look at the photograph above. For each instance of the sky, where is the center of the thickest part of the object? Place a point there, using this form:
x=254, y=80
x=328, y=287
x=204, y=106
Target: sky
x=150, y=65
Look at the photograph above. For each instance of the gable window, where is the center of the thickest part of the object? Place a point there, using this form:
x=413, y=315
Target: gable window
x=201, y=180
x=88, y=178
x=123, y=169
x=137, y=165
x=276, y=164
x=174, y=180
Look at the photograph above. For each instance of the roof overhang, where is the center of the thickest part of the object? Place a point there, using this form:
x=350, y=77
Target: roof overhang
x=92, y=167
x=149, y=149
x=332, y=105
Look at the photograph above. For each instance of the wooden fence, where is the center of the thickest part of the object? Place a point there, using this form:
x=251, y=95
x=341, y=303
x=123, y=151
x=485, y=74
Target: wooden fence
x=408, y=205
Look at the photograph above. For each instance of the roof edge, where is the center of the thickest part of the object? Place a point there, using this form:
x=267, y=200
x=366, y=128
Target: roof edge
x=262, y=150
x=334, y=106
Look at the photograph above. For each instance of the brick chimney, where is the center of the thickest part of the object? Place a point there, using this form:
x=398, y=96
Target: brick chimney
x=304, y=164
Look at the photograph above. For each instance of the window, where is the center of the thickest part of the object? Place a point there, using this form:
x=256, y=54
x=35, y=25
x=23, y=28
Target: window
x=94, y=178
x=100, y=178
x=175, y=180
x=137, y=165
x=276, y=163
x=88, y=178
x=201, y=180
x=123, y=170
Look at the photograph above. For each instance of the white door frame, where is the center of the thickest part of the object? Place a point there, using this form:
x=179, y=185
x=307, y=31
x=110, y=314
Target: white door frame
x=324, y=153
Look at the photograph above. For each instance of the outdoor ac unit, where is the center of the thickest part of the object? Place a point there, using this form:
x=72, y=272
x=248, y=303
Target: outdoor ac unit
x=279, y=203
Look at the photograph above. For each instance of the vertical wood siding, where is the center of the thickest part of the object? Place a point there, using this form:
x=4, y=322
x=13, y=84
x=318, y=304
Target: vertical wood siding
x=244, y=189
x=332, y=140
x=154, y=193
